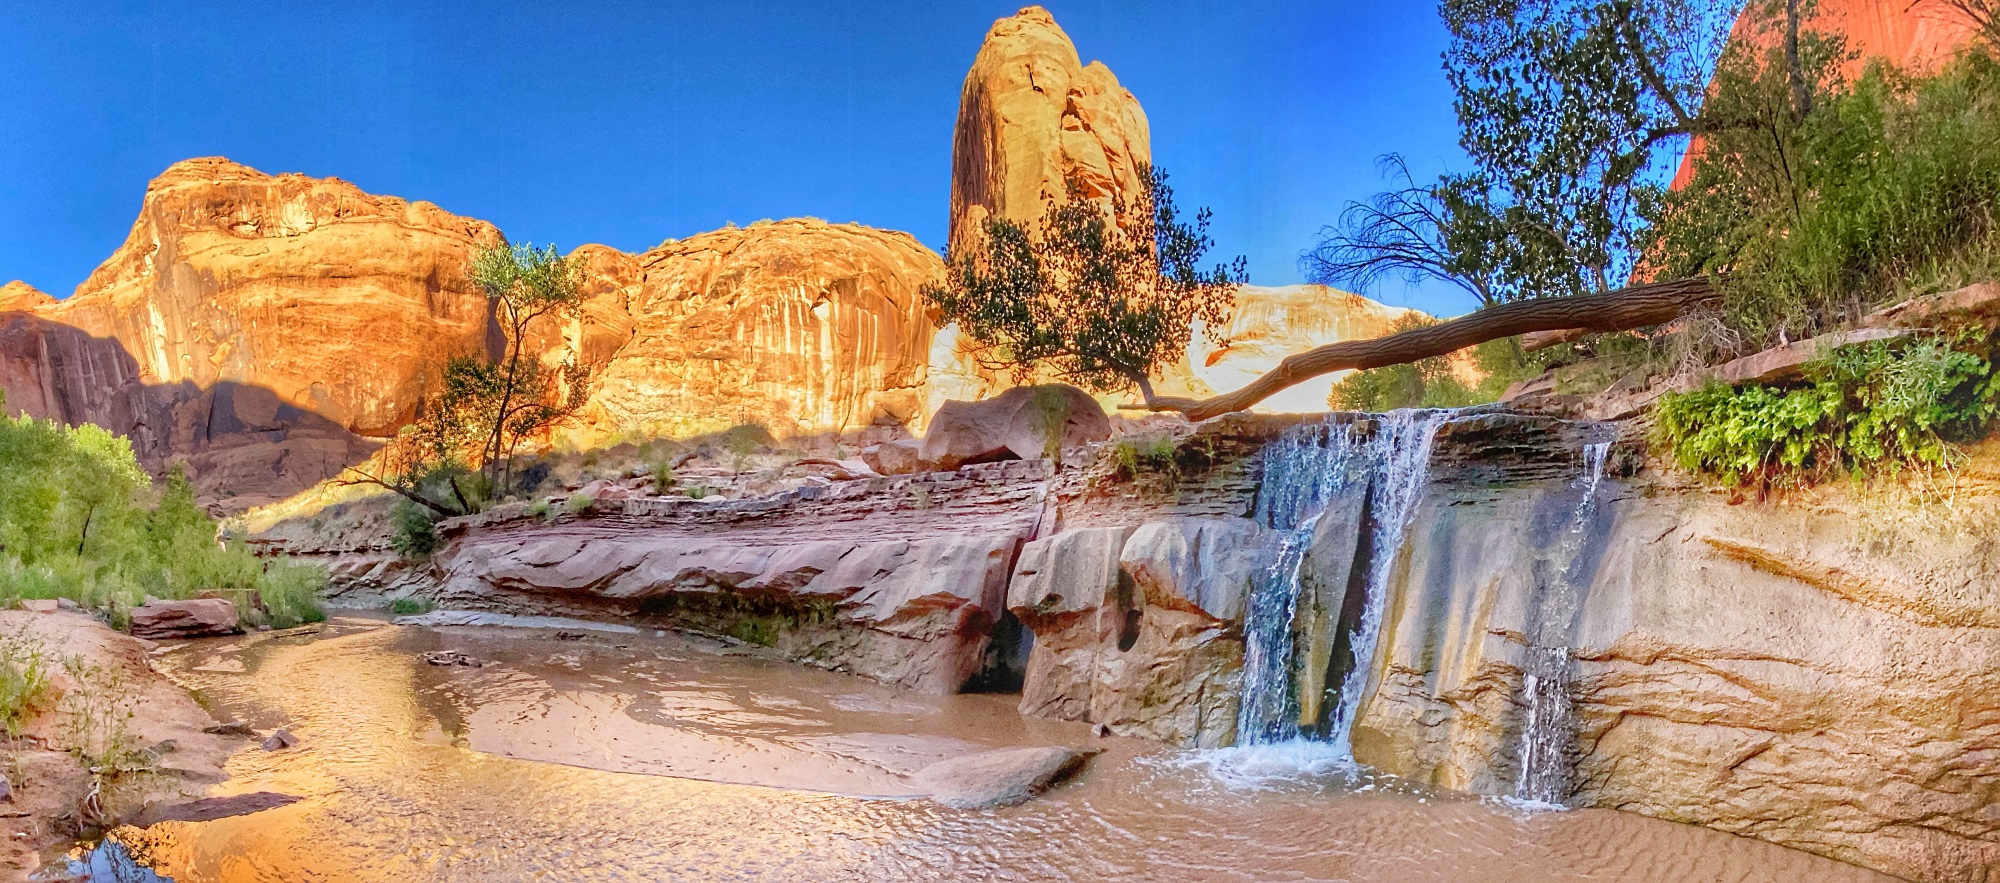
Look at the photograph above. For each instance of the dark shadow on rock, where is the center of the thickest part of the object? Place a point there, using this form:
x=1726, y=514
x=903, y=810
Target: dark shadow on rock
x=242, y=445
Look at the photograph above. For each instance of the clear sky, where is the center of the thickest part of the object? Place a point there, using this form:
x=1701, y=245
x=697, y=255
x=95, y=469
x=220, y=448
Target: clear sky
x=629, y=123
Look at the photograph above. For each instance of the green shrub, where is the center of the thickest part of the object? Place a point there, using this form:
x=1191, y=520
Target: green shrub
x=409, y=607
x=578, y=502
x=540, y=509
x=1887, y=189
x=80, y=520
x=290, y=592
x=415, y=534
x=1865, y=408
x=24, y=681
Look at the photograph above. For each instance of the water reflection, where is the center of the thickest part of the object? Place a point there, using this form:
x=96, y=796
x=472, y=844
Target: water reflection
x=403, y=772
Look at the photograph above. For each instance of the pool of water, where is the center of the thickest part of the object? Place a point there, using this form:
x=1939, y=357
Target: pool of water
x=606, y=757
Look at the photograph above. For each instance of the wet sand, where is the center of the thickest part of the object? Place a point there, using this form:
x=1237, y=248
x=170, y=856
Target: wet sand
x=544, y=764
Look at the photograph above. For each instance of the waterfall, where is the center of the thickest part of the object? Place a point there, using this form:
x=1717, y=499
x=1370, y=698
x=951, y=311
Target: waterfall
x=1545, y=683
x=1307, y=468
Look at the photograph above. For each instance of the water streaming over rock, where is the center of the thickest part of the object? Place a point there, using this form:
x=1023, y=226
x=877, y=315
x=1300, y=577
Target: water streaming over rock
x=1544, y=775
x=1387, y=459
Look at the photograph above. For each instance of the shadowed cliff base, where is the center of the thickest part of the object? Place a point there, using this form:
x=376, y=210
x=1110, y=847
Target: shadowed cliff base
x=241, y=445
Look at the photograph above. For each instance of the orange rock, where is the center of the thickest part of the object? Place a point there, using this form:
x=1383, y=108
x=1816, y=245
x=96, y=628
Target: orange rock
x=1032, y=114
x=800, y=325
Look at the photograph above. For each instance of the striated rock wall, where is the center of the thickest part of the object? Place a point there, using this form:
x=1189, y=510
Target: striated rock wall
x=800, y=325
x=1821, y=672
x=898, y=579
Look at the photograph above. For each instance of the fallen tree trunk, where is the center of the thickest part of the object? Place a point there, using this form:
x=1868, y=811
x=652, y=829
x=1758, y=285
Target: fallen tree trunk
x=1627, y=308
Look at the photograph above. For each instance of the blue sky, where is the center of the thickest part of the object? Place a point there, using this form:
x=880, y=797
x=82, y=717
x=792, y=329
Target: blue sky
x=629, y=123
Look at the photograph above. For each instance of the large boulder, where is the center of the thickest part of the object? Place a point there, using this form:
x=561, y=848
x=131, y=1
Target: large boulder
x=190, y=618
x=1024, y=423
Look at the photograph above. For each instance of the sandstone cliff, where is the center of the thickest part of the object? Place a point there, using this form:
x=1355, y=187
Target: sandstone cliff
x=800, y=325
x=1032, y=116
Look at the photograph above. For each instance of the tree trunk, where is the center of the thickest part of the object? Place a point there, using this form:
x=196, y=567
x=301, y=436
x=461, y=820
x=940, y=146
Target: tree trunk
x=1621, y=310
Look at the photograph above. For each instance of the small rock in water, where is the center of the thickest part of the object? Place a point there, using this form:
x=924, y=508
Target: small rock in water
x=659, y=633
x=230, y=728
x=992, y=779
x=451, y=657
x=280, y=740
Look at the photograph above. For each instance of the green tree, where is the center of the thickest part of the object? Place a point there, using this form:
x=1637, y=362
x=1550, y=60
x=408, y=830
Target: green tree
x=1818, y=211
x=79, y=519
x=1102, y=304
x=459, y=452
x=1570, y=111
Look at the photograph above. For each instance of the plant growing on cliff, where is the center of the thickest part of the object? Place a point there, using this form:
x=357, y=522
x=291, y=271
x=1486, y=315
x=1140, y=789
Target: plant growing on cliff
x=1885, y=187
x=1101, y=292
x=1864, y=408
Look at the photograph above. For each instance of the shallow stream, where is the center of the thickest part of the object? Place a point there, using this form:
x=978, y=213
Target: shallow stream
x=587, y=756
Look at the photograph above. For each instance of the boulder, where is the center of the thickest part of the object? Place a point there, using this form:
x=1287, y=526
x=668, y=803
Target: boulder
x=993, y=779
x=1025, y=423
x=191, y=618
x=40, y=605
x=898, y=457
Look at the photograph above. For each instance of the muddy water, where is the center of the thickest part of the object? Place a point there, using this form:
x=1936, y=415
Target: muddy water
x=567, y=760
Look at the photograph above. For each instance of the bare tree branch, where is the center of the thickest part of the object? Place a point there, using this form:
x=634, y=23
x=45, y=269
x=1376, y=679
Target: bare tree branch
x=1621, y=310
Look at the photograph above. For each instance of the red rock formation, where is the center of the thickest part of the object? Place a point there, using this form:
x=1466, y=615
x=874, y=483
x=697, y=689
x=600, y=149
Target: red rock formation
x=800, y=325
x=1032, y=115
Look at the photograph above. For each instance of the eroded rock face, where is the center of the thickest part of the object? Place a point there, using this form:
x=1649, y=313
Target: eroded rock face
x=800, y=325
x=1031, y=116
x=898, y=579
x=255, y=327
x=1819, y=674
x=1139, y=629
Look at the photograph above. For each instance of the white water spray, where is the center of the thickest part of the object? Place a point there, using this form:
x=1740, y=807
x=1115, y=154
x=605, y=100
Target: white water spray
x=1303, y=471
x=1544, y=772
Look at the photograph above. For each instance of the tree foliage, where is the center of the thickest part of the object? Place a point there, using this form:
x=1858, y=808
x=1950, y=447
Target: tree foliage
x=1568, y=109
x=1888, y=186
x=79, y=519
x=459, y=452
x=1101, y=305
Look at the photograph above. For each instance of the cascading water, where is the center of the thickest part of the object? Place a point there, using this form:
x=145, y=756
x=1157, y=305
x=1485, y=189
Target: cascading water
x=1306, y=469
x=1545, y=685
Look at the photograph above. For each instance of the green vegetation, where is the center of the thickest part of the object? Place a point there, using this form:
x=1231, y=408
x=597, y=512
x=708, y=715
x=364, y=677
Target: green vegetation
x=578, y=502
x=1864, y=408
x=80, y=520
x=460, y=454
x=414, y=534
x=409, y=607
x=1887, y=188
x=1102, y=300
x=24, y=681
